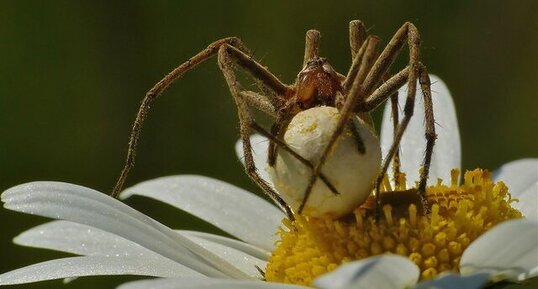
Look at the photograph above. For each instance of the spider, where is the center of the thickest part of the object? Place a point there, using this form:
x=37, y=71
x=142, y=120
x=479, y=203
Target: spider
x=366, y=85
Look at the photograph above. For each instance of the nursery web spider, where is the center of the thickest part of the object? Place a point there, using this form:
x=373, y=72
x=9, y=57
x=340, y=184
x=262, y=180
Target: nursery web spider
x=366, y=85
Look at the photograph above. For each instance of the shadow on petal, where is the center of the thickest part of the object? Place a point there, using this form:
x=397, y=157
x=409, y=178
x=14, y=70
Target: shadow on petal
x=387, y=271
x=451, y=280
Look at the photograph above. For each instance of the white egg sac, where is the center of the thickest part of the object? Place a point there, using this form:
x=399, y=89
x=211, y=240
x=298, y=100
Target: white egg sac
x=349, y=170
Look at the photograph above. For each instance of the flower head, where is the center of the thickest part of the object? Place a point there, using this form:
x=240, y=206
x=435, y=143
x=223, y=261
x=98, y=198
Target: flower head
x=112, y=238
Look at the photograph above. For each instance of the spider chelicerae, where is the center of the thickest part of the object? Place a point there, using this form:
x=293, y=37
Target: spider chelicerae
x=366, y=85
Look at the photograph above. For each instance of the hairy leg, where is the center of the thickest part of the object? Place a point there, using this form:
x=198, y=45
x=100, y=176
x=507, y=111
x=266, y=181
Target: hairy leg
x=387, y=90
x=395, y=119
x=311, y=48
x=154, y=93
x=241, y=52
x=357, y=36
x=226, y=61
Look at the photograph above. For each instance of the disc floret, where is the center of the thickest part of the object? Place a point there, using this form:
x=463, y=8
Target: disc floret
x=309, y=247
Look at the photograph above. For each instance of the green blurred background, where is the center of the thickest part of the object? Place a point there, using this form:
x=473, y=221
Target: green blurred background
x=72, y=74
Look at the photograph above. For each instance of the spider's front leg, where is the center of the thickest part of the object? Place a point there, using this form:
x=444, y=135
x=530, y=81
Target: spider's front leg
x=156, y=91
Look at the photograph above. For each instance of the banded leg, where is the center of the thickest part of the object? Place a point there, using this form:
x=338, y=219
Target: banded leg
x=258, y=71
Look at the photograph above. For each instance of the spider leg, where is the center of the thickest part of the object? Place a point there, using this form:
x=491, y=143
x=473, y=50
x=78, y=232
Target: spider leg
x=311, y=48
x=431, y=136
x=358, y=139
x=408, y=32
x=389, y=88
x=357, y=72
x=395, y=119
x=277, y=129
x=226, y=61
x=361, y=63
x=260, y=102
x=155, y=92
x=357, y=36
x=386, y=90
x=259, y=72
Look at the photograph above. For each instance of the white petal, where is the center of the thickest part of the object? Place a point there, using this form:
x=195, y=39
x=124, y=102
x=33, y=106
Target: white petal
x=89, y=207
x=188, y=283
x=82, y=240
x=452, y=280
x=386, y=271
x=232, y=209
x=232, y=243
x=93, y=266
x=260, y=145
x=241, y=260
x=521, y=177
x=507, y=251
x=447, y=150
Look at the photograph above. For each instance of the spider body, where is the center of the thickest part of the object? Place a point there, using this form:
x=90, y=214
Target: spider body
x=366, y=85
x=316, y=85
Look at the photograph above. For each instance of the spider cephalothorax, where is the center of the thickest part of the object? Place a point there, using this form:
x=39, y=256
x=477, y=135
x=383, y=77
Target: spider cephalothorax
x=349, y=99
x=317, y=84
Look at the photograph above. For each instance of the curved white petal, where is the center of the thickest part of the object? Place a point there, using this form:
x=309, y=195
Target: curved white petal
x=386, y=271
x=452, y=280
x=89, y=207
x=228, y=242
x=521, y=177
x=232, y=209
x=244, y=262
x=93, y=266
x=260, y=146
x=189, y=283
x=507, y=251
x=447, y=150
x=80, y=239
x=84, y=240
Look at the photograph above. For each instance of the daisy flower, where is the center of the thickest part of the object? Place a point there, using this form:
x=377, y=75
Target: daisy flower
x=478, y=231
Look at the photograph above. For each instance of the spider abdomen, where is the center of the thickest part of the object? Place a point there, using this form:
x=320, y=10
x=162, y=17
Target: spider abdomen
x=351, y=172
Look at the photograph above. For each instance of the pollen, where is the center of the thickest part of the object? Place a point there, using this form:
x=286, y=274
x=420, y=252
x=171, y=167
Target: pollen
x=434, y=239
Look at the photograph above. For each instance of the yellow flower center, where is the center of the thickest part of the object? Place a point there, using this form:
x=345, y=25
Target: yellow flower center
x=309, y=247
